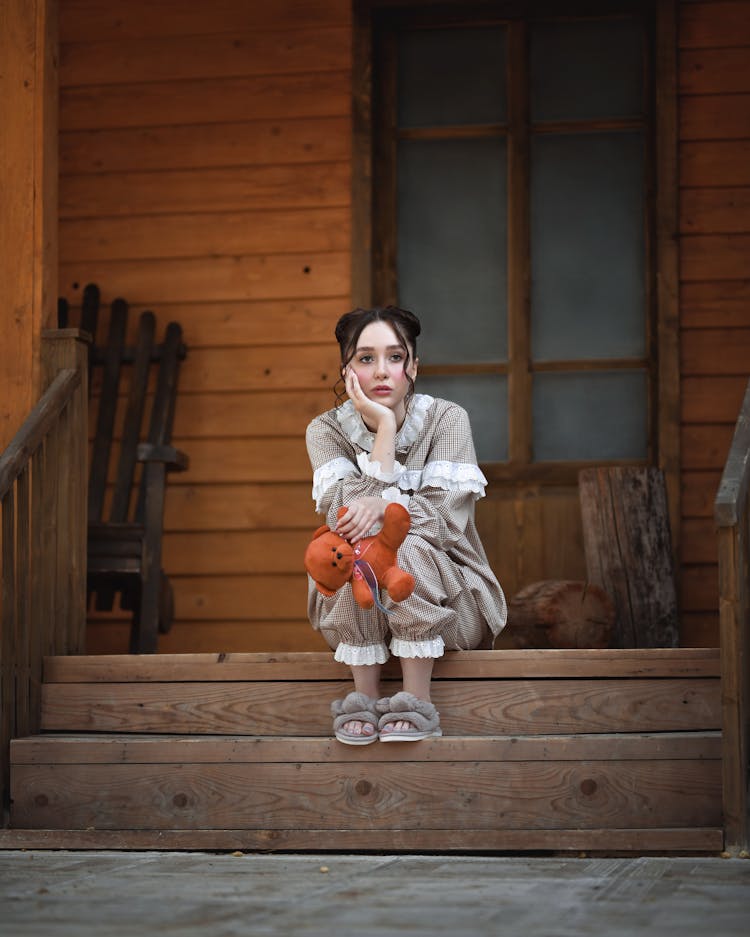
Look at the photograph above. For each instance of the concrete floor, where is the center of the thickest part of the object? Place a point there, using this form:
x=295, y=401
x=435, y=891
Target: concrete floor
x=74, y=894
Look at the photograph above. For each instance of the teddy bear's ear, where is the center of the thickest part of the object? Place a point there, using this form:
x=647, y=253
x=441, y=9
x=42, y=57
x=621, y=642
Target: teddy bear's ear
x=320, y=531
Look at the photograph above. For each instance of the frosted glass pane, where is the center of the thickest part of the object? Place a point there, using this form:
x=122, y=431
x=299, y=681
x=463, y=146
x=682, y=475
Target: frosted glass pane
x=485, y=399
x=451, y=76
x=586, y=69
x=584, y=415
x=588, y=290
x=452, y=246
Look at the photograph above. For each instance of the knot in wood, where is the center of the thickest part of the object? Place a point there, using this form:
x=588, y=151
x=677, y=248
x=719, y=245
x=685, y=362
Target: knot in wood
x=41, y=800
x=588, y=787
x=363, y=787
x=180, y=800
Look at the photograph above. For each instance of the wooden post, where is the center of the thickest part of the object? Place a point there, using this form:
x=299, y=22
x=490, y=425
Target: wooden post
x=28, y=221
x=68, y=348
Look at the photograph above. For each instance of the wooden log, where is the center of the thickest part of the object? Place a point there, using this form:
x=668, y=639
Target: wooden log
x=561, y=613
x=628, y=550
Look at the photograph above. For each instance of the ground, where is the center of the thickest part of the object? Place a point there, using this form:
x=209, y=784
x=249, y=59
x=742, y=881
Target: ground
x=109, y=894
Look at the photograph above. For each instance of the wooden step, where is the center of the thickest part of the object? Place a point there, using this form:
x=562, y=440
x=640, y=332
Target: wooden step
x=612, y=751
x=273, y=786
x=477, y=693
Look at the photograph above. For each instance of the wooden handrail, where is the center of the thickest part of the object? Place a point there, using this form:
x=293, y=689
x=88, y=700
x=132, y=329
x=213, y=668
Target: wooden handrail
x=732, y=516
x=42, y=539
x=732, y=493
x=36, y=426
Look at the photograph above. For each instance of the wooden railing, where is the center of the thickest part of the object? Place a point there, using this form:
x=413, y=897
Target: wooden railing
x=43, y=538
x=732, y=516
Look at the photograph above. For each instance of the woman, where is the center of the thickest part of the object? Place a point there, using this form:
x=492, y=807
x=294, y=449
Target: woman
x=387, y=443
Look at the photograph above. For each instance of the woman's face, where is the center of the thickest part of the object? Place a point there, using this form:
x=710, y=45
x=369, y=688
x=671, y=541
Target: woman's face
x=378, y=362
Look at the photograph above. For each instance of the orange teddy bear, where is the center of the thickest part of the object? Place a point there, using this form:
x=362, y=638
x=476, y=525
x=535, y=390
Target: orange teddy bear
x=333, y=561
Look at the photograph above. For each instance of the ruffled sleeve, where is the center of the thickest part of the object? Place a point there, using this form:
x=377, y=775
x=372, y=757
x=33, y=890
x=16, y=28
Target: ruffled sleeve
x=450, y=483
x=340, y=473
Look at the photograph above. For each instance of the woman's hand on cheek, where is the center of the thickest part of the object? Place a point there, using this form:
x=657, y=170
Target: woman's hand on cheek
x=370, y=410
x=360, y=517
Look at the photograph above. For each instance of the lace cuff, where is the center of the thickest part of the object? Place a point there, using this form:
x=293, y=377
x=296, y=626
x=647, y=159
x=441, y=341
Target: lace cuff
x=455, y=476
x=393, y=494
x=373, y=470
x=430, y=648
x=328, y=475
x=355, y=656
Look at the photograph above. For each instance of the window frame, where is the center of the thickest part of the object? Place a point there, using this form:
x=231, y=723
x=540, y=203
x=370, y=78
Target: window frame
x=373, y=243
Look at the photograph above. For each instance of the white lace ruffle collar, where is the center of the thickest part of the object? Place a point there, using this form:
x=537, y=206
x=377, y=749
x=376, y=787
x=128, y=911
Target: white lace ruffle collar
x=354, y=427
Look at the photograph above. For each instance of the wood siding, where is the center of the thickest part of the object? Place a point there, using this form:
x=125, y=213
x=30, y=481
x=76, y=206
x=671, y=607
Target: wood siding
x=714, y=155
x=205, y=163
x=205, y=158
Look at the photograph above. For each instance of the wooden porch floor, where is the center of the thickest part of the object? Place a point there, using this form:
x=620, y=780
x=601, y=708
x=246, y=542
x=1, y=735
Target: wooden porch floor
x=612, y=751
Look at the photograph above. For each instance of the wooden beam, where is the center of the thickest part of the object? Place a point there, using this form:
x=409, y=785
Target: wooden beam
x=28, y=222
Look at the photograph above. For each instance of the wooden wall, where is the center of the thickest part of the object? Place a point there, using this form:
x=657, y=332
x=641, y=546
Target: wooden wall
x=205, y=156
x=714, y=154
x=205, y=162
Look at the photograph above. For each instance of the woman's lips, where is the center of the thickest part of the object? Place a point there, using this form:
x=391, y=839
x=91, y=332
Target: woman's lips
x=382, y=391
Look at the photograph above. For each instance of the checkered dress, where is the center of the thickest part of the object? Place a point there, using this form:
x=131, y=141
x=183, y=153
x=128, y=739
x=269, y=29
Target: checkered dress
x=457, y=602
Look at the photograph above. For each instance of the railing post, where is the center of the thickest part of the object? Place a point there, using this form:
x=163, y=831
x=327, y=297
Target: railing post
x=67, y=456
x=732, y=516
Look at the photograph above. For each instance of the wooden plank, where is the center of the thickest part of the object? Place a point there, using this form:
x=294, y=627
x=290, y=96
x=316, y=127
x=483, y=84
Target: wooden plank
x=699, y=588
x=238, y=322
x=243, y=414
x=607, y=841
x=716, y=211
x=705, y=163
x=220, y=234
x=240, y=507
x=627, y=662
x=240, y=597
x=136, y=19
x=28, y=238
x=705, y=447
x=698, y=493
x=629, y=552
x=715, y=71
x=699, y=629
x=551, y=707
x=715, y=117
x=200, y=56
x=201, y=146
x=208, y=100
x=734, y=603
x=233, y=552
x=714, y=257
x=714, y=24
x=723, y=304
x=535, y=795
x=275, y=276
x=112, y=637
x=709, y=398
x=169, y=749
x=305, y=367
x=698, y=543
x=241, y=461
x=320, y=185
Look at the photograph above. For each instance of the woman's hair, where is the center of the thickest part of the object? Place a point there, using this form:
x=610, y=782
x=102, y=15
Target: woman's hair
x=350, y=326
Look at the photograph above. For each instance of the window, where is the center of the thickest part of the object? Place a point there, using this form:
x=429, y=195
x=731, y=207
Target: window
x=513, y=209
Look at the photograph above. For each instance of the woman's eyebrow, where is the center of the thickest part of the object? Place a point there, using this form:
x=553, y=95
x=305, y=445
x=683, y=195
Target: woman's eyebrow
x=388, y=348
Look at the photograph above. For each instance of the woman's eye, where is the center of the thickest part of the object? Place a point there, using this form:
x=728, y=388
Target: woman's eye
x=397, y=357
x=365, y=359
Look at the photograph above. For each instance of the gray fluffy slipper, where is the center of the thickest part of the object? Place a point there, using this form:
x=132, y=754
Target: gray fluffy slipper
x=405, y=707
x=356, y=707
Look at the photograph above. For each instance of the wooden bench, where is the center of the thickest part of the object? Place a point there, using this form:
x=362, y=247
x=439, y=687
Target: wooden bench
x=125, y=531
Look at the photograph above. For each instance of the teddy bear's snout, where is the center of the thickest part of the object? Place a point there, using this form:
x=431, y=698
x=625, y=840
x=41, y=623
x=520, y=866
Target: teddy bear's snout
x=338, y=556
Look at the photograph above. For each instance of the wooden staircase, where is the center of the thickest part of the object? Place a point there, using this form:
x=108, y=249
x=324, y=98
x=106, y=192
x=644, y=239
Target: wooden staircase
x=611, y=751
